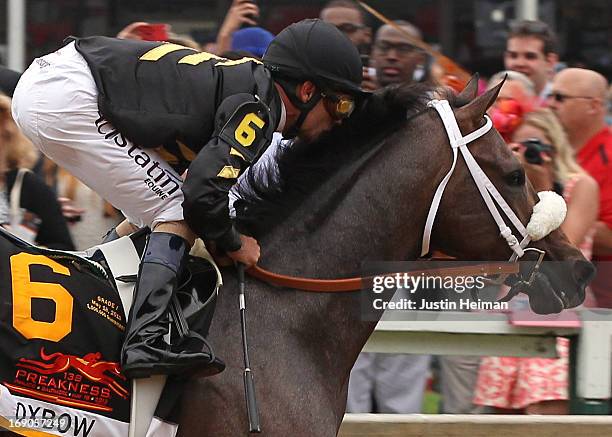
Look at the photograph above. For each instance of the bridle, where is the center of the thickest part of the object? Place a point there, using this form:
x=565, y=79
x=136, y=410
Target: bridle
x=492, y=198
x=487, y=190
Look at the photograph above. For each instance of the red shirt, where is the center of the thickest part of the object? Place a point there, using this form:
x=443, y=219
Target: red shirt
x=596, y=158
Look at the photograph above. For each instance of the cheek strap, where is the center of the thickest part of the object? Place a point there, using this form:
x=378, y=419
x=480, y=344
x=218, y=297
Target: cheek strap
x=304, y=108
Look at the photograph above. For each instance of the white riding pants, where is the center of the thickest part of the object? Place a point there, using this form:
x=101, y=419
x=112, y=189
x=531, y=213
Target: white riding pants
x=56, y=106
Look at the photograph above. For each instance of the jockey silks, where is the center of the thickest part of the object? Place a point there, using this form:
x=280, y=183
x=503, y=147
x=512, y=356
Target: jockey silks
x=193, y=107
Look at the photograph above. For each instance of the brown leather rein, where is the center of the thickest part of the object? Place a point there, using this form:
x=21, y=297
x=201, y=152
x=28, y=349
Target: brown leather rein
x=356, y=284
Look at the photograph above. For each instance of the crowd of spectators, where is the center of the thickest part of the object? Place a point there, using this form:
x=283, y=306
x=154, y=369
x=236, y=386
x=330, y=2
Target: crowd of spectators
x=561, y=118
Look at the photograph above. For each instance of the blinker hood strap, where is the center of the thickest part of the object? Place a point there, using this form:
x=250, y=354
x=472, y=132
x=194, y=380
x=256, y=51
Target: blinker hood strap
x=304, y=108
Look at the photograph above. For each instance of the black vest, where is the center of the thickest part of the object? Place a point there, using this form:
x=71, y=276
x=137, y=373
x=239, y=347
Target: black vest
x=157, y=94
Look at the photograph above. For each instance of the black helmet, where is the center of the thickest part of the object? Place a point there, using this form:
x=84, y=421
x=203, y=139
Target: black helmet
x=317, y=51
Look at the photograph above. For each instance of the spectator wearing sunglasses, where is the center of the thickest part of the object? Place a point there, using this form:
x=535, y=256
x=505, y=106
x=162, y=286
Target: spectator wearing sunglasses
x=578, y=98
x=396, y=58
x=531, y=50
x=511, y=384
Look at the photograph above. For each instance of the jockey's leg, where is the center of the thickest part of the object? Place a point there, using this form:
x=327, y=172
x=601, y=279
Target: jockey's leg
x=56, y=105
x=145, y=351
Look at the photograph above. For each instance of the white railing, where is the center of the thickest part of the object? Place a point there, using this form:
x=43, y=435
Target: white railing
x=447, y=425
x=462, y=333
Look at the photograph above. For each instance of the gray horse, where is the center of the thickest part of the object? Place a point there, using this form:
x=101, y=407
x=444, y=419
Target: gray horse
x=362, y=193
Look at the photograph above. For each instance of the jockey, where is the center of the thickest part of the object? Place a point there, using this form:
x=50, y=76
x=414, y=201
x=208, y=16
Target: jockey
x=129, y=118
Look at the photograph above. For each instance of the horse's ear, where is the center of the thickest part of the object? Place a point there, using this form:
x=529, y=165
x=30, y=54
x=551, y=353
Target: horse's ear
x=469, y=92
x=481, y=103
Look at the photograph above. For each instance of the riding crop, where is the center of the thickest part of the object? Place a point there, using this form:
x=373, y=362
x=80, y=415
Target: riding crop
x=249, y=384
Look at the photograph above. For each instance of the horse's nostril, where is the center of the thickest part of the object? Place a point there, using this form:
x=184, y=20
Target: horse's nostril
x=584, y=272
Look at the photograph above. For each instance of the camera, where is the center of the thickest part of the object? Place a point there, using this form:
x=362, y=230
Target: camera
x=534, y=149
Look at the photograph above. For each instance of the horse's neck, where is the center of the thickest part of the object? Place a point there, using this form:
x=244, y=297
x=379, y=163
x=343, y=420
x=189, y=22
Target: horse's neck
x=380, y=218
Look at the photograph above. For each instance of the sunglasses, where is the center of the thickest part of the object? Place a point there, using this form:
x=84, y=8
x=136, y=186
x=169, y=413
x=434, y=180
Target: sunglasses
x=349, y=28
x=560, y=97
x=339, y=107
x=402, y=49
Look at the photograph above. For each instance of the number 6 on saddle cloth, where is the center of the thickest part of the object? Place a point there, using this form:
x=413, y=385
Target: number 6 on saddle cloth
x=64, y=307
x=192, y=307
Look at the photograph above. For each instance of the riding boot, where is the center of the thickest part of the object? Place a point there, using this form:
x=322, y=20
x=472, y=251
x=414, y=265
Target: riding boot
x=145, y=351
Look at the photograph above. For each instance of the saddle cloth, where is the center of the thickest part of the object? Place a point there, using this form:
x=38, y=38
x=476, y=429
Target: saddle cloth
x=61, y=329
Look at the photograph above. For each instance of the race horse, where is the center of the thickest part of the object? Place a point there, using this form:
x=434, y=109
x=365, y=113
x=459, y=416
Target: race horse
x=360, y=193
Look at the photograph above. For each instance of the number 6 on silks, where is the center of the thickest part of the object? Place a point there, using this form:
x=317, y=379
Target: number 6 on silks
x=245, y=130
x=245, y=133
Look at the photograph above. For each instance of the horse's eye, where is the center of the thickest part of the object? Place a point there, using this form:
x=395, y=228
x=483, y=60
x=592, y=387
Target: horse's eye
x=516, y=178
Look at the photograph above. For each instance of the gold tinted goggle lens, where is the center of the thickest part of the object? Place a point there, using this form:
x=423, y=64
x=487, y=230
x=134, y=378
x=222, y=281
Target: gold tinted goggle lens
x=341, y=106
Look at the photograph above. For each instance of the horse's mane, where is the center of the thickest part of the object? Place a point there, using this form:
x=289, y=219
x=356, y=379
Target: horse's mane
x=280, y=184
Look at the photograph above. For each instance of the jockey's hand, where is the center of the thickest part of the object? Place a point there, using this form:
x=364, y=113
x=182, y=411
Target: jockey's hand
x=249, y=252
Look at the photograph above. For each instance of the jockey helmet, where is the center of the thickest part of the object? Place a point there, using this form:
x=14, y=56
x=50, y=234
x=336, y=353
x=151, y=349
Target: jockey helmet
x=317, y=51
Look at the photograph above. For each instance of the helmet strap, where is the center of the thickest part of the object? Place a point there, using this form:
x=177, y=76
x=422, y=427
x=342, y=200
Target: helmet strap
x=304, y=107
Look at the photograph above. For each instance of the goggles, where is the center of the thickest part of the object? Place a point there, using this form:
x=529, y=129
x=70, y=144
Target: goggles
x=339, y=107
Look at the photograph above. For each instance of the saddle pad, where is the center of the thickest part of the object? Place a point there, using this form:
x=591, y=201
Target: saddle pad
x=61, y=328
x=59, y=357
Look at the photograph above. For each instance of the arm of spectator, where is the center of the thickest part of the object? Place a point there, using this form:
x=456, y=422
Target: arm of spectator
x=71, y=213
x=582, y=210
x=38, y=198
x=240, y=12
x=131, y=30
x=602, y=242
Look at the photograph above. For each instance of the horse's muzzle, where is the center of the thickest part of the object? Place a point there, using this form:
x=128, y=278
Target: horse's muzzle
x=584, y=272
x=559, y=287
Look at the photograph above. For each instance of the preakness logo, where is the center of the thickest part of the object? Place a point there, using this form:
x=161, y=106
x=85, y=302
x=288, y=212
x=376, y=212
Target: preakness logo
x=86, y=382
x=160, y=182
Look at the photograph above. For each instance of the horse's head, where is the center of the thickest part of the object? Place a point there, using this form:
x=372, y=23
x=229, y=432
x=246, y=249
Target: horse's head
x=466, y=227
